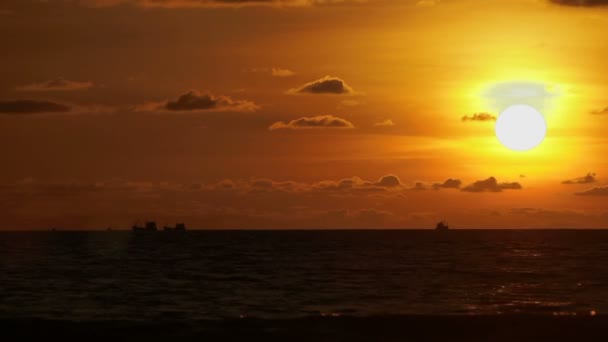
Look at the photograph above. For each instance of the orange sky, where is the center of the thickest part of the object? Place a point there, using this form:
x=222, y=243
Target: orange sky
x=300, y=113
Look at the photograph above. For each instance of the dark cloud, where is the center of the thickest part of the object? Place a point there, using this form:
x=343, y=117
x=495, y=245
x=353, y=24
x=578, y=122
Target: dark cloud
x=23, y=107
x=346, y=185
x=491, y=185
x=326, y=85
x=356, y=184
x=586, y=3
x=418, y=186
x=479, y=117
x=196, y=101
x=600, y=111
x=319, y=122
x=589, y=178
x=597, y=191
x=193, y=101
x=269, y=185
x=58, y=84
x=450, y=183
x=388, y=181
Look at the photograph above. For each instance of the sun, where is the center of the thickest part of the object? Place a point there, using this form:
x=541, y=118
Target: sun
x=521, y=127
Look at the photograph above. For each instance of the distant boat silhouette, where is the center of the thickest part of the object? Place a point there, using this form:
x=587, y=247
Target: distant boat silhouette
x=149, y=227
x=180, y=227
x=442, y=226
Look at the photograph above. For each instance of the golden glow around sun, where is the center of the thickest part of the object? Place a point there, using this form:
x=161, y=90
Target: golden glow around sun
x=557, y=103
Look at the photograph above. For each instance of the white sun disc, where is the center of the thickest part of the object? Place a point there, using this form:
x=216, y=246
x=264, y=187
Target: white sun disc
x=520, y=127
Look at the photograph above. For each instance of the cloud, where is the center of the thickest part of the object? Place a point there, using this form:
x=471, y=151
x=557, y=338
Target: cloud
x=388, y=181
x=212, y=3
x=280, y=72
x=193, y=101
x=589, y=178
x=347, y=184
x=600, y=111
x=450, y=183
x=491, y=185
x=315, y=122
x=418, y=186
x=520, y=91
x=586, y=3
x=235, y=203
x=354, y=184
x=479, y=117
x=597, y=191
x=276, y=72
x=325, y=85
x=25, y=107
x=58, y=84
x=385, y=123
x=386, y=184
x=504, y=94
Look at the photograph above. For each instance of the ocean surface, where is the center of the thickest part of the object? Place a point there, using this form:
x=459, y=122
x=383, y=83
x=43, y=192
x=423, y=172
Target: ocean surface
x=292, y=274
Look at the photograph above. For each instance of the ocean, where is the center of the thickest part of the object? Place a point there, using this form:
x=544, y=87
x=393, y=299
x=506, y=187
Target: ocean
x=215, y=275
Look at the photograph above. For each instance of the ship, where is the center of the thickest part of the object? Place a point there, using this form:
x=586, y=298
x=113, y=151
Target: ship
x=442, y=226
x=179, y=227
x=149, y=227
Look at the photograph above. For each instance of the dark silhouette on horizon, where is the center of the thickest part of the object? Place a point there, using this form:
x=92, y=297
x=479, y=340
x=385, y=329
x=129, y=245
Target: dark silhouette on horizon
x=149, y=227
x=442, y=226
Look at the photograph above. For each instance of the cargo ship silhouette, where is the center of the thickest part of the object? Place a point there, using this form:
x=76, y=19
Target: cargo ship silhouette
x=442, y=226
x=150, y=226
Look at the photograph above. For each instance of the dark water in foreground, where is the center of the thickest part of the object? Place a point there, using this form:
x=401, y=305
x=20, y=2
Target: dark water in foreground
x=265, y=274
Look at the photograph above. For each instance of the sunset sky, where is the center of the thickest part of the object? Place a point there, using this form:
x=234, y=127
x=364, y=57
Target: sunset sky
x=300, y=113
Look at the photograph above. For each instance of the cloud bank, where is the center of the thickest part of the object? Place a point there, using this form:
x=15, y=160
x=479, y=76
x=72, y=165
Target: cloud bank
x=589, y=178
x=479, y=117
x=450, y=183
x=58, y=84
x=597, y=191
x=600, y=111
x=315, y=122
x=325, y=85
x=25, y=107
x=194, y=101
x=491, y=185
x=581, y=3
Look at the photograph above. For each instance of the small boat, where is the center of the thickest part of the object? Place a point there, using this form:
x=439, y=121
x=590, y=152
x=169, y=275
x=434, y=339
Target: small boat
x=180, y=227
x=149, y=227
x=442, y=226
